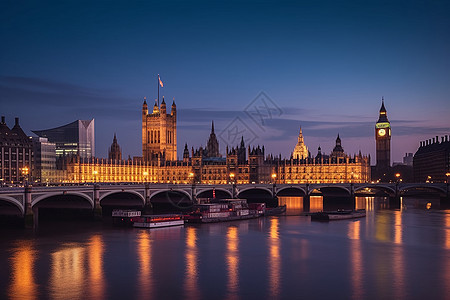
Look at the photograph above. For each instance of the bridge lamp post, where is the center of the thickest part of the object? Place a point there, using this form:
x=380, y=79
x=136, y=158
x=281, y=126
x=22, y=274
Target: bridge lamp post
x=448, y=175
x=232, y=182
x=94, y=174
x=145, y=174
x=25, y=172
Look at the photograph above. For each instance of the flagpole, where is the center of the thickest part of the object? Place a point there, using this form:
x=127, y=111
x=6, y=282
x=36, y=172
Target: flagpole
x=158, y=90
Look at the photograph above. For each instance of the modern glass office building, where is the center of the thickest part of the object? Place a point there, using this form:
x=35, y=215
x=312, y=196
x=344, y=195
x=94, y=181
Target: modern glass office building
x=76, y=138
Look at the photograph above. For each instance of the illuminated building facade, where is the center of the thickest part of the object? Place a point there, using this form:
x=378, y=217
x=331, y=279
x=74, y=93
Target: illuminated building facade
x=159, y=133
x=76, y=138
x=383, y=140
x=242, y=165
x=431, y=162
x=44, y=167
x=16, y=154
x=300, y=150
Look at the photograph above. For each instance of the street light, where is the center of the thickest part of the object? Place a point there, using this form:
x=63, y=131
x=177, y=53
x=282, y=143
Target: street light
x=274, y=176
x=232, y=177
x=145, y=173
x=448, y=175
x=94, y=173
x=25, y=172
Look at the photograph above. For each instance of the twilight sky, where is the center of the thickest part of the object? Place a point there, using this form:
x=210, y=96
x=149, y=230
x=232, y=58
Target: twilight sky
x=260, y=69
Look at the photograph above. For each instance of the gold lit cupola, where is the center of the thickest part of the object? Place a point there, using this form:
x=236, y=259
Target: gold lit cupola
x=300, y=150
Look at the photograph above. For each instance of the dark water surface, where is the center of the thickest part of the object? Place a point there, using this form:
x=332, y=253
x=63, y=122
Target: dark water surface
x=390, y=254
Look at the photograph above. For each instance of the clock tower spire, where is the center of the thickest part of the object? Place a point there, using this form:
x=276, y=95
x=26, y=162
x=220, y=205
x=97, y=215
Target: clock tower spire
x=383, y=140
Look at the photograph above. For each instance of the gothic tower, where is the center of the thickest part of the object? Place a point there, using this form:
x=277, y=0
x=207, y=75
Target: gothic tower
x=159, y=132
x=383, y=139
x=300, y=150
x=212, y=147
x=114, y=152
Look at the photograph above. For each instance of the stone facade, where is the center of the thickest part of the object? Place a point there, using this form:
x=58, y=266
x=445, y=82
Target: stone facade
x=159, y=133
x=16, y=154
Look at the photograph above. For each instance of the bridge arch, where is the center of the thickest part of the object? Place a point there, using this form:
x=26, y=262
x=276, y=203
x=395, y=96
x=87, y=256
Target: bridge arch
x=108, y=199
x=422, y=187
x=291, y=191
x=331, y=190
x=12, y=203
x=254, y=189
x=221, y=193
x=52, y=196
x=384, y=188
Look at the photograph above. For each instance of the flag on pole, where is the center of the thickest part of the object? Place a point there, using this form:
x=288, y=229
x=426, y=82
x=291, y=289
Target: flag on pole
x=160, y=82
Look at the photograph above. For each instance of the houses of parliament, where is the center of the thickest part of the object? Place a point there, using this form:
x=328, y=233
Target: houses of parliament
x=241, y=164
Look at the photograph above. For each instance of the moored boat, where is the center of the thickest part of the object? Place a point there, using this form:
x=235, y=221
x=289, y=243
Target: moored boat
x=338, y=215
x=156, y=221
x=222, y=210
x=124, y=217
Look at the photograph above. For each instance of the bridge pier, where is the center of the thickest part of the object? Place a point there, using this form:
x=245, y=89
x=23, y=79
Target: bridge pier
x=306, y=203
x=147, y=204
x=30, y=219
x=97, y=206
x=395, y=202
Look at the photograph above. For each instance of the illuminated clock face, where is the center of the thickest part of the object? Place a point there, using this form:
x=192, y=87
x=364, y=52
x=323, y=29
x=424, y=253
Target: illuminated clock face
x=382, y=132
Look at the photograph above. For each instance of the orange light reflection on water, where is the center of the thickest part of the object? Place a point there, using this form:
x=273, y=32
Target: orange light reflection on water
x=23, y=285
x=274, y=259
x=315, y=203
x=96, y=275
x=67, y=272
x=357, y=266
x=144, y=252
x=232, y=258
x=191, y=257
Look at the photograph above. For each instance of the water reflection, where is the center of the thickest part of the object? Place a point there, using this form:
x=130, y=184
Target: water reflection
x=23, y=285
x=356, y=259
x=96, y=275
x=67, y=272
x=232, y=258
x=274, y=259
x=315, y=203
x=294, y=205
x=191, y=256
x=144, y=252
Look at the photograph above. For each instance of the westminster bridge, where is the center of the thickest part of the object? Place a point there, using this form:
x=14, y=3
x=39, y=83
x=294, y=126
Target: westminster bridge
x=22, y=201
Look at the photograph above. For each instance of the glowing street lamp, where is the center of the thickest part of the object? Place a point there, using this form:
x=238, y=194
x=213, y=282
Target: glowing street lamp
x=25, y=172
x=232, y=177
x=448, y=175
x=94, y=174
x=145, y=173
x=274, y=177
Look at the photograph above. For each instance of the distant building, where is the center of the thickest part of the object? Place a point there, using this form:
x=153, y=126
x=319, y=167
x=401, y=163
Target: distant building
x=115, y=153
x=431, y=161
x=16, y=154
x=159, y=133
x=300, y=150
x=408, y=159
x=44, y=168
x=76, y=138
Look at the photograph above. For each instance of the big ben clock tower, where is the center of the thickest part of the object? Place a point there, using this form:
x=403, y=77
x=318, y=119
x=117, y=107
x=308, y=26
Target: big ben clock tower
x=383, y=139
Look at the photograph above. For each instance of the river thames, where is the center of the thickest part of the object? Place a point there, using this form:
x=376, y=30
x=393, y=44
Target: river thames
x=400, y=253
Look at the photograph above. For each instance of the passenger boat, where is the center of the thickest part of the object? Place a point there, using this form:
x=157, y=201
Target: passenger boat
x=156, y=221
x=124, y=217
x=223, y=210
x=338, y=215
